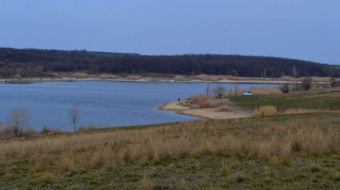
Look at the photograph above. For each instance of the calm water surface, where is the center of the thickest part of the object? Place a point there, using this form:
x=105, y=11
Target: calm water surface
x=101, y=103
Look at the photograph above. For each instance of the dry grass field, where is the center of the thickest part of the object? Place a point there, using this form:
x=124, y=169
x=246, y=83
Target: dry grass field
x=297, y=150
x=276, y=152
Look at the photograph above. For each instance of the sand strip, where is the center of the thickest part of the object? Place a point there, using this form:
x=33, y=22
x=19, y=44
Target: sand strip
x=209, y=113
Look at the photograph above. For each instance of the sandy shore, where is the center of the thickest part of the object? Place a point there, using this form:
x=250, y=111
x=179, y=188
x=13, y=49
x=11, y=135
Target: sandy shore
x=209, y=113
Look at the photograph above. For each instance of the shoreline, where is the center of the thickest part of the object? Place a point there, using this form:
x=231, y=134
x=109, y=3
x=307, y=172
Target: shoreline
x=142, y=79
x=206, y=113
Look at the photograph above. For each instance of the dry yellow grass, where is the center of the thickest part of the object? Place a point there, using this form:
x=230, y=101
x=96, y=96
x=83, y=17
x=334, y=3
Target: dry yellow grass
x=180, y=78
x=204, y=101
x=80, y=75
x=133, y=77
x=79, y=151
x=288, y=78
x=146, y=183
x=107, y=76
x=264, y=111
x=204, y=77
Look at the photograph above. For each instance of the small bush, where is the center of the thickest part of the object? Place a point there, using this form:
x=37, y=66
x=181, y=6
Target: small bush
x=307, y=83
x=5, y=133
x=218, y=91
x=334, y=83
x=28, y=132
x=17, y=77
x=265, y=111
x=285, y=88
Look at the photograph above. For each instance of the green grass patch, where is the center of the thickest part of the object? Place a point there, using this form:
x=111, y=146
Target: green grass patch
x=312, y=100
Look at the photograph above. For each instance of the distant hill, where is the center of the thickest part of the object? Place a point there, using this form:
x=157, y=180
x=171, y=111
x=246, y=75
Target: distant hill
x=41, y=63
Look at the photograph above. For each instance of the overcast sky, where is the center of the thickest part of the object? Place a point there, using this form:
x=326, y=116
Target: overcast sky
x=302, y=29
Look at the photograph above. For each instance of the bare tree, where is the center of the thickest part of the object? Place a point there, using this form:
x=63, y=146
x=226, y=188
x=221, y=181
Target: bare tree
x=74, y=115
x=294, y=72
x=218, y=91
x=236, y=89
x=18, y=119
x=207, y=90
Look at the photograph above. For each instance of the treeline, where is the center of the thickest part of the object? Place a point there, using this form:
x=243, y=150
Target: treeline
x=40, y=63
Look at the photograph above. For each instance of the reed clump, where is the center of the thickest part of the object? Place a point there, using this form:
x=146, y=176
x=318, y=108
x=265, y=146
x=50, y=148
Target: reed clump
x=265, y=111
x=204, y=77
x=180, y=78
x=205, y=101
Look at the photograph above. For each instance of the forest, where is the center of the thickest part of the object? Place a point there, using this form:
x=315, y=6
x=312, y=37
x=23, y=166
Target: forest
x=43, y=63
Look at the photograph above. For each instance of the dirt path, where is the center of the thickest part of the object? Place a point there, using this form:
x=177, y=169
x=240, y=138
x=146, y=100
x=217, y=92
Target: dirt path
x=210, y=113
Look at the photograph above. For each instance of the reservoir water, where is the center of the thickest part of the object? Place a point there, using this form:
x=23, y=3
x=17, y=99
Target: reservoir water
x=101, y=103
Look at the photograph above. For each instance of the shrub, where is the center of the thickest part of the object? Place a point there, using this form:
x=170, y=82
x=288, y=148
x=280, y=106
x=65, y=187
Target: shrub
x=5, y=133
x=285, y=88
x=218, y=91
x=18, y=119
x=334, y=83
x=307, y=83
x=17, y=77
x=28, y=132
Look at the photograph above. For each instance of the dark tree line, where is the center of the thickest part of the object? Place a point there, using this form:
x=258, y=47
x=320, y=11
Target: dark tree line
x=40, y=63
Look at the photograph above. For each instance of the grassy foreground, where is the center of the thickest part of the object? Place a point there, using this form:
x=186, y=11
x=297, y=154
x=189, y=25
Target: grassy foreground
x=277, y=152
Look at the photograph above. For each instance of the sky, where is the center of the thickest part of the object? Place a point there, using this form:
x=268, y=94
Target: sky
x=298, y=29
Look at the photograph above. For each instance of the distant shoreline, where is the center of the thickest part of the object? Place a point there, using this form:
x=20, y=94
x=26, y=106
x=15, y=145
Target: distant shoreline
x=189, y=79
